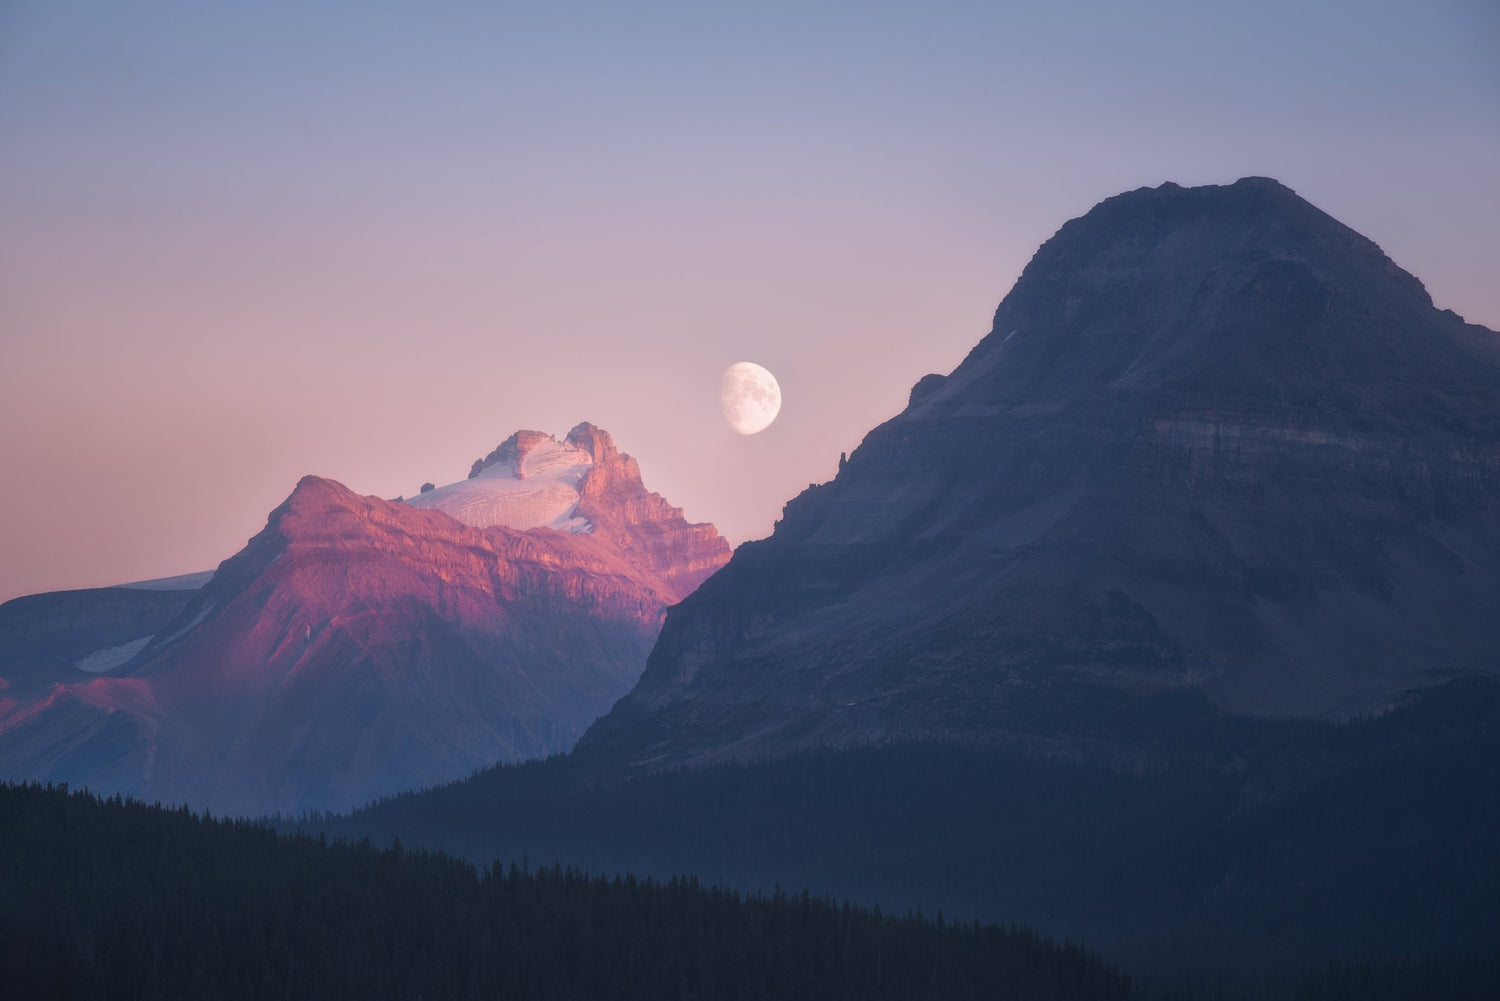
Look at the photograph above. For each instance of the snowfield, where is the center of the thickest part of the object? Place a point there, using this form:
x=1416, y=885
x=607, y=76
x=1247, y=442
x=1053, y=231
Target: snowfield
x=111, y=657
x=541, y=493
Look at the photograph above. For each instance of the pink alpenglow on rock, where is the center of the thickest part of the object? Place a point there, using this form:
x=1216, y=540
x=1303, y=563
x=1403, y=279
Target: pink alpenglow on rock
x=358, y=647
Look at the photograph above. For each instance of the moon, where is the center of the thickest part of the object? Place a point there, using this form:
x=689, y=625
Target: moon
x=750, y=397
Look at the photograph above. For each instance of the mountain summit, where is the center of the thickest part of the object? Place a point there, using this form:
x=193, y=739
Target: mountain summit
x=358, y=647
x=582, y=484
x=1216, y=442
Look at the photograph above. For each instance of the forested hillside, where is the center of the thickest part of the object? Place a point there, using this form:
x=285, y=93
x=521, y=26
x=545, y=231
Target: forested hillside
x=109, y=899
x=1247, y=847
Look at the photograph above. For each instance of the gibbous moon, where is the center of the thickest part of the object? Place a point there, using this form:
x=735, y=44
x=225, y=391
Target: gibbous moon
x=750, y=397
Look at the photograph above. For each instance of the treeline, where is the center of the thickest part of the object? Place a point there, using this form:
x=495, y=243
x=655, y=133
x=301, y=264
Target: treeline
x=1451, y=978
x=1262, y=852
x=115, y=899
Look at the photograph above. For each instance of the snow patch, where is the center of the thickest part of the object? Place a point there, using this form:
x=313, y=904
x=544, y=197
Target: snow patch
x=111, y=657
x=197, y=621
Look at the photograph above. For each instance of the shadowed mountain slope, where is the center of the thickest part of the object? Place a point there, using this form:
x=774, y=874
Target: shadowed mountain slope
x=1255, y=848
x=1216, y=440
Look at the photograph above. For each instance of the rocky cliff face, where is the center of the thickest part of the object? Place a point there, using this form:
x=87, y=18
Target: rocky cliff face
x=359, y=647
x=649, y=531
x=1215, y=441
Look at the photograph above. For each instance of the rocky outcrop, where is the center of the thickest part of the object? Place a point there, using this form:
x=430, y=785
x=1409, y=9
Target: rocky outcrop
x=1216, y=441
x=651, y=532
x=358, y=647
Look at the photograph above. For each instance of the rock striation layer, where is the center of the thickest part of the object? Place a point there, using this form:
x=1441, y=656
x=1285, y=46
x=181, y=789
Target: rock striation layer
x=358, y=647
x=1215, y=442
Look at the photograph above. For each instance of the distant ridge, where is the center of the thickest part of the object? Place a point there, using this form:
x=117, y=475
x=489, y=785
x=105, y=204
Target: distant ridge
x=181, y=582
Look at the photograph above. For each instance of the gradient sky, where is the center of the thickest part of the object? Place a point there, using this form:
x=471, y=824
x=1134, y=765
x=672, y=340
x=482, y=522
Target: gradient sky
x=370, y=240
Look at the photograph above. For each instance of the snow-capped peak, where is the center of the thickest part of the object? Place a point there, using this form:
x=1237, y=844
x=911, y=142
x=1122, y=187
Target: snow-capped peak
x=531, y=481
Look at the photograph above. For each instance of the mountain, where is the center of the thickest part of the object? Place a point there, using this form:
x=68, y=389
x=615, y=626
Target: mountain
x=1216, y=442
x=1164, y=623
x=582, y=485
x=357, y=647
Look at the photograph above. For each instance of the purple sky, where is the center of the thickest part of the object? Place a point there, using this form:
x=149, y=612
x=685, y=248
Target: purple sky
x=369, y=241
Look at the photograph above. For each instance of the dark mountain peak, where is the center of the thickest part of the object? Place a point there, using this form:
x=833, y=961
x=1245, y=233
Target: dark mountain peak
x=1217, y=292
x=1196, y=232
x=1261, y=184
x=1216, y=440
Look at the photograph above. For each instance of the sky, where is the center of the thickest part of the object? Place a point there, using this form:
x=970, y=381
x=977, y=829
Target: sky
x=240, y=243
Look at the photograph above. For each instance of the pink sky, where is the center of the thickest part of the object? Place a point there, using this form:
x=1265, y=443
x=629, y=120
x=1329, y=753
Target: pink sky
x=232, y=253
